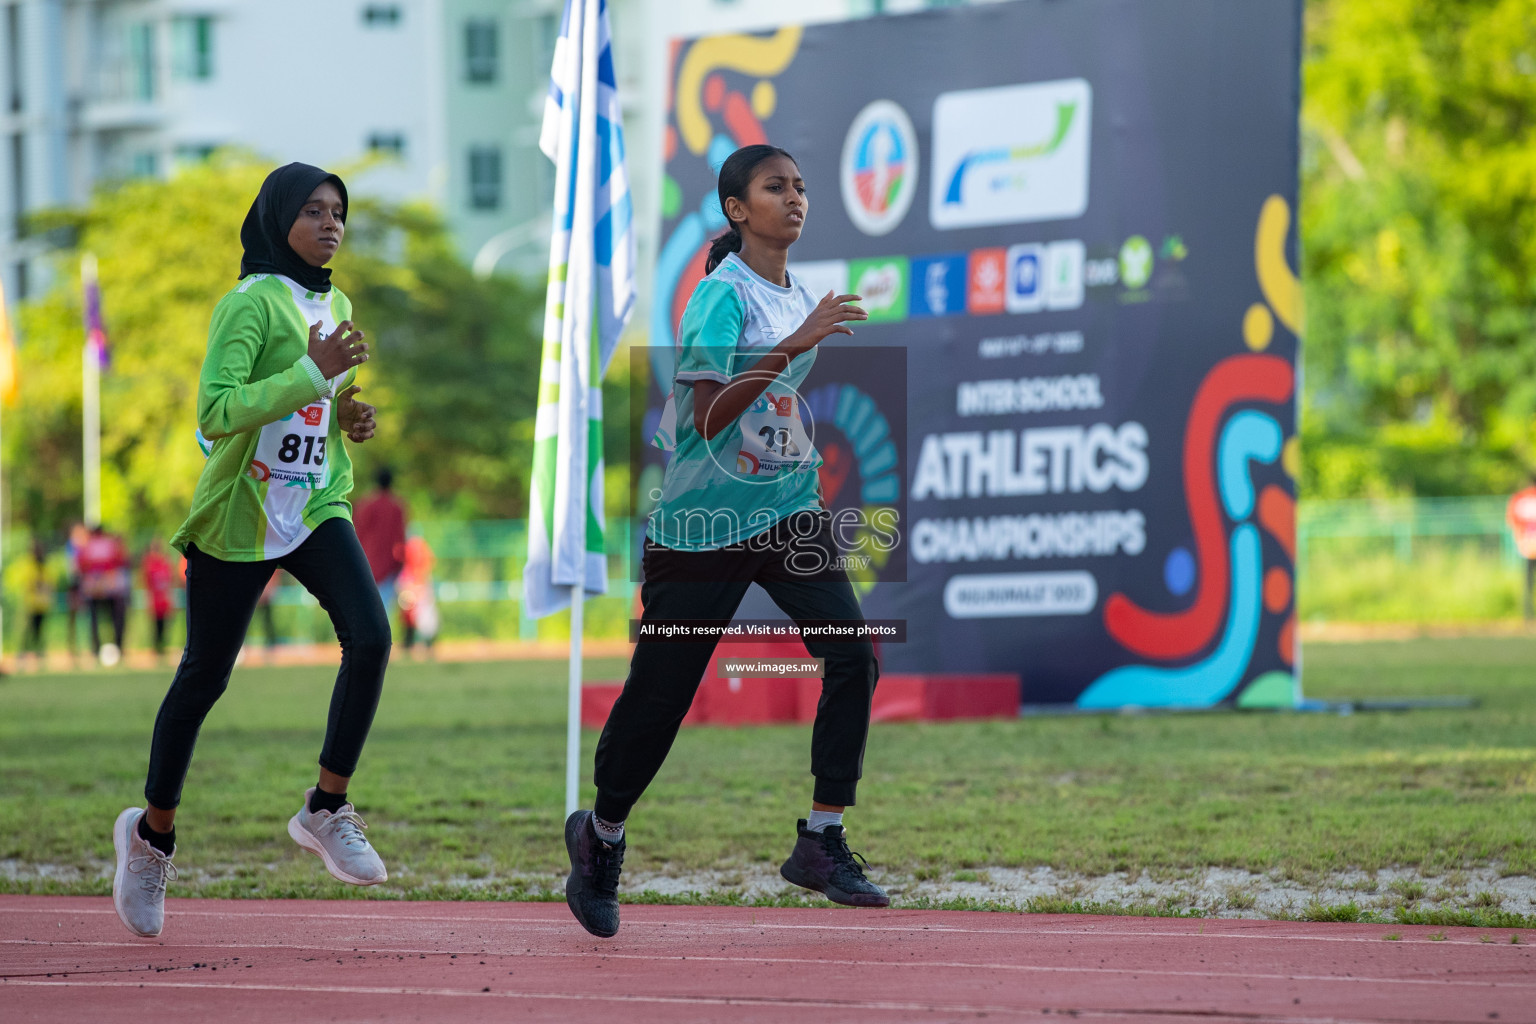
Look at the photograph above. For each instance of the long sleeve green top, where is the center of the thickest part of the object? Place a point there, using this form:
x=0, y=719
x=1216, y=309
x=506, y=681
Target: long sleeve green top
x=277, y=465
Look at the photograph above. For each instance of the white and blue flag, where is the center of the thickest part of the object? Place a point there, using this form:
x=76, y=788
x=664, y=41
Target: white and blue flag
x=591, y=294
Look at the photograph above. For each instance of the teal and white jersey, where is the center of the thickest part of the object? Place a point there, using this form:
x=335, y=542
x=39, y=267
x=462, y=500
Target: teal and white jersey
x=762, y=468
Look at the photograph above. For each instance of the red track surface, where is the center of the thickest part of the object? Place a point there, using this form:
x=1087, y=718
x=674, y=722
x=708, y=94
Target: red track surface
x=68, y=959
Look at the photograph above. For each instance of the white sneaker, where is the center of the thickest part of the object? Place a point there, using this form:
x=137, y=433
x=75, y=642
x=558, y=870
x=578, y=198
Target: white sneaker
x=138, y=887
x=338, y=840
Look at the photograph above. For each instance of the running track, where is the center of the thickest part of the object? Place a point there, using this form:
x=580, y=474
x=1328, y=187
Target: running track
x=68, y=959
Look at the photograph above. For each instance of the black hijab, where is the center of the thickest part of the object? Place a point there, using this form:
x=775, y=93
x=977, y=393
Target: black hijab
x=264, y=235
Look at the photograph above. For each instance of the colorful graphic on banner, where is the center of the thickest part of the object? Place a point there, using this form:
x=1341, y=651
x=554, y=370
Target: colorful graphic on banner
x=1098, y=309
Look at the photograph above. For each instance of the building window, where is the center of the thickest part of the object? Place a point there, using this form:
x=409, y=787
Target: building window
x=141, y=61
x=480, y=50
x=18, y=197
x=484, y=177
x=548, y=32
x=192, y=48
x=13, y=55
x=387, y=144
x=193, y=153
x=142, y=165
x=381, y=15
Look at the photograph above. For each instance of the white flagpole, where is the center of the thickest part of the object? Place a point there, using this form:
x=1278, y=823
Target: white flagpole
x=583, y=223
x=573, y=705
x=90, y=401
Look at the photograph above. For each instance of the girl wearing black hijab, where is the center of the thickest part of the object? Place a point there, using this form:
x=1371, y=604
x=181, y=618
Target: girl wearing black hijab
x=275, y=398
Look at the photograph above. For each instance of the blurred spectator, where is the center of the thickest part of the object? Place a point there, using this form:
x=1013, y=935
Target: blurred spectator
x=38, y=585
x=268, y=621
x=418, y=601
x=1521, y=516
x=105, y=585
x=264, y=606
x=159, y=577
x=379, y=520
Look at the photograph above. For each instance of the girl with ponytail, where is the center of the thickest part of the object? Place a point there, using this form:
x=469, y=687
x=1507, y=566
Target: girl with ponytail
x=740, y=504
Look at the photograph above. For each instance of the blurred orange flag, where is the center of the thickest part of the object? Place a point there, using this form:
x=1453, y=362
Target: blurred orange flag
x=10, y=382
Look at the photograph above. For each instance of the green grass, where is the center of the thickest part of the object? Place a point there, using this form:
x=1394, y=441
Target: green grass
x=463, y=784
x=1351, y=579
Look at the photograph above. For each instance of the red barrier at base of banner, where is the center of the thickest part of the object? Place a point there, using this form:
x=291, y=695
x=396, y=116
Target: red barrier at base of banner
x=902, y=697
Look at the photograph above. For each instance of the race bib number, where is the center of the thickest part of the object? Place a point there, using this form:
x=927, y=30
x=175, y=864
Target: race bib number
x=291, y=451
x=773, y=437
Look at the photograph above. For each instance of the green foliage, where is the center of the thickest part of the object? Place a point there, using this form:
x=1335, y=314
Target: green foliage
x=1419, y=232
x=457, y=365
x=454, y=374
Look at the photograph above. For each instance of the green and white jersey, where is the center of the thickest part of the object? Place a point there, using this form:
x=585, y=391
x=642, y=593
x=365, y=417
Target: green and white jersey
x=277, y=466
x=761, y=469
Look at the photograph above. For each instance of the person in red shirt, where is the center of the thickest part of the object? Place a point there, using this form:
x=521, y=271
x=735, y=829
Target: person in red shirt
x=1521, y=516
x=418, y=601
x=159, y=577
x=380, y=523
x=104, y=585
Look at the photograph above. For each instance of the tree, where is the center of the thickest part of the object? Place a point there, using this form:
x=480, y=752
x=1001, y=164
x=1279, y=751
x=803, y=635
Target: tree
x=1419, y=236
x=454, y=376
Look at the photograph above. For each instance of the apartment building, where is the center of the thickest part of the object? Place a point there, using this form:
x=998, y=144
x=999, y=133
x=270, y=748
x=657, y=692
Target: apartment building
x=446, y=95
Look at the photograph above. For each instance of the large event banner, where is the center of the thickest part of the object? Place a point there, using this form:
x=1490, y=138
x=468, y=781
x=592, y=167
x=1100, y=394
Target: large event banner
x=1077, y=219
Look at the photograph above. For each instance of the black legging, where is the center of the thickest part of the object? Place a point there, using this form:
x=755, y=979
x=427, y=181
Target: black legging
x=116, y=611
x=221, y=597
x=665, y=674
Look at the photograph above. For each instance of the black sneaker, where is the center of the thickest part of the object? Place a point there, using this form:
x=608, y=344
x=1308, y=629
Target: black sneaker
x=592, y=890
x=822, y=861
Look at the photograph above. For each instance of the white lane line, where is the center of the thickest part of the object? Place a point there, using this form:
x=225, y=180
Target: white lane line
x=802, y=961
x=697, y=927
x=788, y=1002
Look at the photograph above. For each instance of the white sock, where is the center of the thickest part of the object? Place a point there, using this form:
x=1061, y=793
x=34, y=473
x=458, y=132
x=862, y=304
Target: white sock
x=609, y=832
x=821, y=819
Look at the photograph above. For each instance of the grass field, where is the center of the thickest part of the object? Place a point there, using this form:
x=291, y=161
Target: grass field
x=462, y=783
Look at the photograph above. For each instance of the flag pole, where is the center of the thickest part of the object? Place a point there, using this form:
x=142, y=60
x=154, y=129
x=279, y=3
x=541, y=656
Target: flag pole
x=573, y=705
x=583, y=223
x=90, y=400
x=589, y=296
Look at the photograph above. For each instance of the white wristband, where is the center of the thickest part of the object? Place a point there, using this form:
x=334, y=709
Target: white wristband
x=321, y=382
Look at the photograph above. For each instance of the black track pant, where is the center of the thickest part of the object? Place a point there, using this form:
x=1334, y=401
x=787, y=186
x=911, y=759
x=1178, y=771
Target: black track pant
x=221, y=597
x=115, y=610
x=664, y=674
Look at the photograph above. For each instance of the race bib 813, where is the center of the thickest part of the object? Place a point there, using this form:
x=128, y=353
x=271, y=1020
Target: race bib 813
x=291, y=450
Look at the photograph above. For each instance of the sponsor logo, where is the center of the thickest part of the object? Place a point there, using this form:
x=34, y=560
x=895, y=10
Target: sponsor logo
x=779, y=405
x=822, y=276
x=1102, y=273
x=987, y=281
x=879, y=167
x=938, y=285
x=883, y=285
x=1010, y=155
x=1045, y=276
x=259, y=471
x=1026, y=278
x=312, y=415
x=1017, y=594
x=1136, y=261
x=1064, y=275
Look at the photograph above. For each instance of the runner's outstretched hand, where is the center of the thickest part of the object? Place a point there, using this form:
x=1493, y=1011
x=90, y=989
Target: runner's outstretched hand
x=356, y=418
x=827, y=318
x=340, y=352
